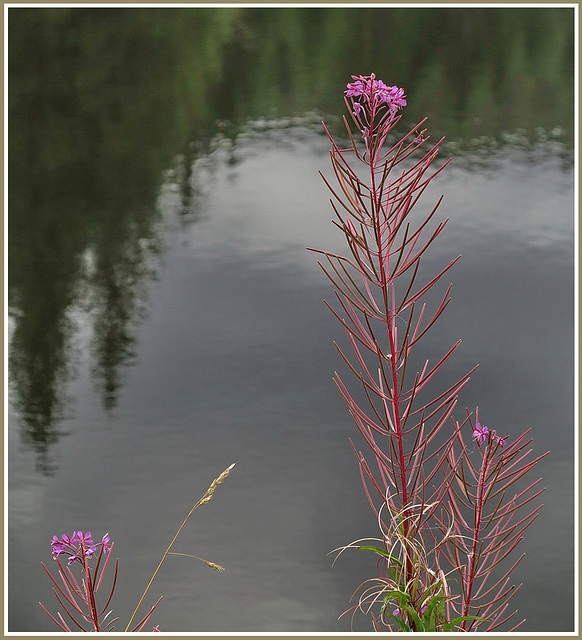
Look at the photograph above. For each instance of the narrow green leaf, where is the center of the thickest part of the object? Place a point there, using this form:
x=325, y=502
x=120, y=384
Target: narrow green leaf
x=411, y=611
x=435, y=604
x=401, y=596
x=382, y=553
x=403, y=626
x=449, y=625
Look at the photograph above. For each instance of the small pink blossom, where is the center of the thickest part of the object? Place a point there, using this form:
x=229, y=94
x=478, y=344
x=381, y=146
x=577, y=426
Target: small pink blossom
x=374, y=93
x=75, y=544
x=480, y=433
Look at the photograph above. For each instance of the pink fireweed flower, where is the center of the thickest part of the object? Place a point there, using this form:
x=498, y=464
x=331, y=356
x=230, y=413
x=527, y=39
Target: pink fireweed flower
x=85, y=541
x=81, y=536
x=78, y=597
x=497, y=439
x=480, y=433
x=397, y=98
x=105, y=540
x=374, y=93
x=77, y=544
x=374, y=107
x=356, y=88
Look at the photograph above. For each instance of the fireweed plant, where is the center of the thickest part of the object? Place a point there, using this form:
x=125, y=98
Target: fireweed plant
x=449, y=512
x=77, y=594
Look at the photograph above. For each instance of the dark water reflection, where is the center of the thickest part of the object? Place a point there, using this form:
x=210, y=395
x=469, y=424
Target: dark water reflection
x=166, y=320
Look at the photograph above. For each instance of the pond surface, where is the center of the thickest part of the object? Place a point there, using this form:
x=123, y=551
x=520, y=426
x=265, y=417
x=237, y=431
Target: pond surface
x=166, y=321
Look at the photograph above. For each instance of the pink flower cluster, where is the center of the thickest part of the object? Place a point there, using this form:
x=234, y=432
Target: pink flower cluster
x=78, y=545
x=375, y=93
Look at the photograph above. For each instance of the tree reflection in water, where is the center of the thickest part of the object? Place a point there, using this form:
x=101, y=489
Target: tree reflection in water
x=103, y=101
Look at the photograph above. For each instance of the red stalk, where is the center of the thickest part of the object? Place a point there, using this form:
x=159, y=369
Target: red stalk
x=385, y=244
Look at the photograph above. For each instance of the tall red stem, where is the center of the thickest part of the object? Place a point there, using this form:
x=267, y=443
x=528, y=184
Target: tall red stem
x=384, y=270
x=470, y=573
x=89, y=589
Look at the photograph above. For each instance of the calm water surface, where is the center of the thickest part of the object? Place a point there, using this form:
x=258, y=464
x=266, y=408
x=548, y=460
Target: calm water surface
x=232, y=363
x=166, y=321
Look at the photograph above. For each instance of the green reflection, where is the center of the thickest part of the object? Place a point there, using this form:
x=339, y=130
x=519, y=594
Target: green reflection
x=102, y=101
x=99, y=102
x=473, y=71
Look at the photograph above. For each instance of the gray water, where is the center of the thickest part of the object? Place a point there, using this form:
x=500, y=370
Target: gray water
x=232, y=363
x=166, y=320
